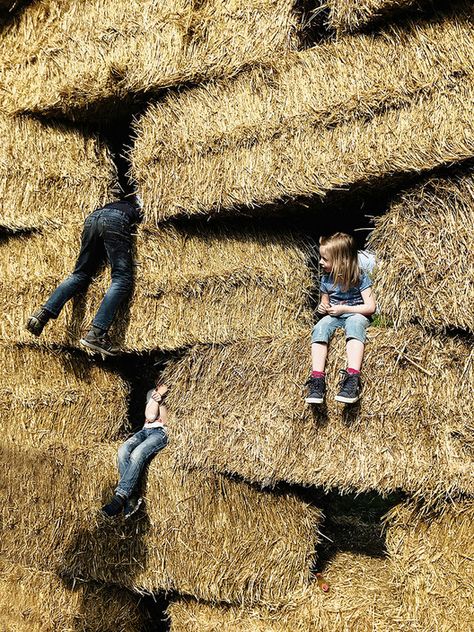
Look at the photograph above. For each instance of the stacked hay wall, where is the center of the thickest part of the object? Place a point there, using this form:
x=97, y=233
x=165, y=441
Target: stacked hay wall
x=410, y=431
x=41, y=602
x=48, y=395
x=403, y=108
x=64, y=57
x=191, y=286
x=204, y=535
x=424, y=246
x=50, y=174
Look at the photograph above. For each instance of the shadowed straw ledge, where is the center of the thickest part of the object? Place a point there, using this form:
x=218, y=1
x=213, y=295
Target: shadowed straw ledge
x=424, y=246
x=197, y=285
x=38, y=601
x=350, y=15
x=245, y=414
x=203, y=535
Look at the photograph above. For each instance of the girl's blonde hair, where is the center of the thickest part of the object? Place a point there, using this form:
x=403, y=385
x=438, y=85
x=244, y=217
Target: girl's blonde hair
x=342, y=251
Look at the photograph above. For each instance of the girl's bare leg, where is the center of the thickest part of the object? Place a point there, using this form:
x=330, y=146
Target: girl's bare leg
x=319, y=352
x=355, y=353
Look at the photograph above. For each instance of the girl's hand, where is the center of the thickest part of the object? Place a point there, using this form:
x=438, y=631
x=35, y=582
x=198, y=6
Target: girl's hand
x=323, y=308
x=159, y=392
x=336, y=310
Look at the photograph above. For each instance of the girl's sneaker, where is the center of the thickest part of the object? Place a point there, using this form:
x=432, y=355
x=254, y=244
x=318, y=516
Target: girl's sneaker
x=316, y=389
x=114, y=507
x=349, y=388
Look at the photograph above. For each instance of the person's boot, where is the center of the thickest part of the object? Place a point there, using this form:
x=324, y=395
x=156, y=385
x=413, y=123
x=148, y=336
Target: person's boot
x=36, y=322
x=98, y=340
x=316, y=389
x=349, y=388
x=114, y=507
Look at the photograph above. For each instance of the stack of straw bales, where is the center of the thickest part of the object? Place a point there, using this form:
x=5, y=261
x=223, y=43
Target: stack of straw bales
x=63, y=57
x=360, y=598
x=338, y=115
x=346, y=16
x=424, y=246
x=50, y=174
x=205, y=535
x=411, y=430
x=432, y=557
x=192, y=286
x=39, y=601
x=50, y=396
x=425, y=583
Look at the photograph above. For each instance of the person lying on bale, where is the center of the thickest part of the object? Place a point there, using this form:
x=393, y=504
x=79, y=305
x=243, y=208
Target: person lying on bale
x=136, y=453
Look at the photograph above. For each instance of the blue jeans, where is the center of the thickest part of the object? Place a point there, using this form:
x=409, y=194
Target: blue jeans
x=106, y=235
x=134, y=454
x=355, y=326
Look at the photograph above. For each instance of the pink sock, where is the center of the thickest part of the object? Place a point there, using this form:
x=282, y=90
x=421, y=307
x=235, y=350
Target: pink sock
x=352, y=371
x=317, y=373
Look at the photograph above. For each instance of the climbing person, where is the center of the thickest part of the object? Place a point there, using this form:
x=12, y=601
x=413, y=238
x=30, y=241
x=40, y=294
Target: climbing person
x=107, y=234
x=347, y=301
x=136, y=453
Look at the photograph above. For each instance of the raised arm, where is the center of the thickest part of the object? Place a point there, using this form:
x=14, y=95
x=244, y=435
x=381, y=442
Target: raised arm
x=153, y=407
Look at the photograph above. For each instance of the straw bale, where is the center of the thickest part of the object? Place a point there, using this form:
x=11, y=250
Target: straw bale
x=35, y=601
x=432, y=557
x=244, y=414
x=61, y=57
x=346, y=16
x=378, y=107
x=55, y=395
x=425, y=246
x=192, y=285
x=360, y=598
x=49, y=173
x=204, y=535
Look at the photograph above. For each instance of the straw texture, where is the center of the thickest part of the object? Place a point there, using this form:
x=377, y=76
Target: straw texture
x=34, y=601
x=350, y=15
x=360, y=598
x=378, y=106
x=425, y=246
x=411, y=430
x=49, y=173
x=432, y=557
x=55, y=395
x=63, y=57
x=203, y=535
x=192, y=285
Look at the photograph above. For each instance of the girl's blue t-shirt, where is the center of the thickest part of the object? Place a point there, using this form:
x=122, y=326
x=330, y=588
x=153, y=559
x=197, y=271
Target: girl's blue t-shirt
x=337, y=296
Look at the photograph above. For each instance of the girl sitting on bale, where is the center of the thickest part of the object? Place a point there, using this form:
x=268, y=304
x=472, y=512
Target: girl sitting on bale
x=136, y=452
x=347, y=301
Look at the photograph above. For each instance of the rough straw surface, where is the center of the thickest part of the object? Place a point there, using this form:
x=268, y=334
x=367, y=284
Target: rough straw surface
x=64, y=56
x=350, y=15
x=55, y=395
x=432, y=557
x=192, y=286
x=50, y=174
x=203, y=535
x=424, y=246
x=38, y=601
x=378, y=106
x=360, y=598
x=244, y=413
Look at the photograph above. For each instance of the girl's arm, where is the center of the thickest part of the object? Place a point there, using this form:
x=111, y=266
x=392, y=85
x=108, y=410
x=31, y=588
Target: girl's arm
x=366, y=309
x=164, y=414
x=153, y=407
